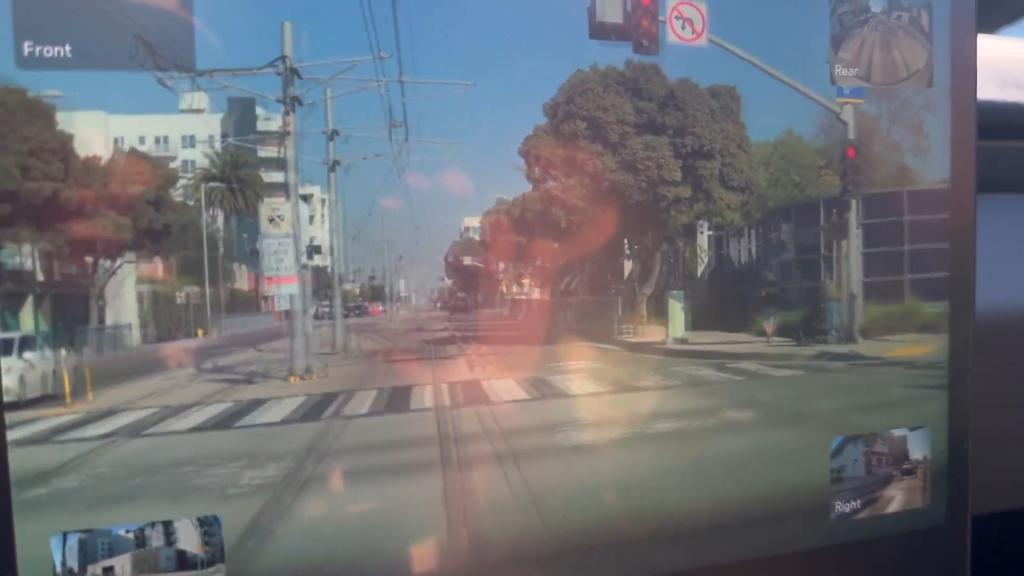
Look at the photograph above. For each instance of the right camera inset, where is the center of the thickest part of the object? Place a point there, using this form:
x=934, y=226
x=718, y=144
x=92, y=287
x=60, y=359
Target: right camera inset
x=881, y=42
x=879, y=473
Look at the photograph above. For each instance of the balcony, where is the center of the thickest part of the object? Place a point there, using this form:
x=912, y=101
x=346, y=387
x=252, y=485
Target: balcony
x=272, y=177
x=270, y=152
x=268, y=123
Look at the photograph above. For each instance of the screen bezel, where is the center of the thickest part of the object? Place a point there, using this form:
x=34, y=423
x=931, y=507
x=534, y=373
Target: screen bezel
x=935, y=551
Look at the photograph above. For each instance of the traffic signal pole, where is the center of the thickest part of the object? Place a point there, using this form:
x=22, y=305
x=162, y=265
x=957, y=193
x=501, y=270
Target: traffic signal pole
x=853, y=309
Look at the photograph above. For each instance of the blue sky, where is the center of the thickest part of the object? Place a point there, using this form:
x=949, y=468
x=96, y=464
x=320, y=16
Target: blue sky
x=517, y=54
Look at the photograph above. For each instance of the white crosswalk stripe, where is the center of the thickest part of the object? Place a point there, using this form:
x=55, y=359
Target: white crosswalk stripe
x=709, y=374
x=107, y=425
x=40, y=426
x=504, y=390
x=333, y=408
x=422, y=397
x=190, y=418
x=360, y=403
x=762, y=369
x=273, y=411
x=576, y=384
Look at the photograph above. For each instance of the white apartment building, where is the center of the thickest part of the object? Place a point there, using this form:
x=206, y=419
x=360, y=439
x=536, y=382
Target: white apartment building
x=182, y=139
x=316, y=225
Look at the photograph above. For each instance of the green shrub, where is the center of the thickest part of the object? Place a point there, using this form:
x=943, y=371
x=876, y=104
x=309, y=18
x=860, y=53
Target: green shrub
x=910, y=317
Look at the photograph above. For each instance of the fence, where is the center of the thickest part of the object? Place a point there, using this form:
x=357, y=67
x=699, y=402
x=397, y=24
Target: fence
x=98, y=341
x=599, y=318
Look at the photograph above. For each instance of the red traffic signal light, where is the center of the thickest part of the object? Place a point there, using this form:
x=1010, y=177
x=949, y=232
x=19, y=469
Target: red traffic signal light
x=644, y=22
x=851, y=152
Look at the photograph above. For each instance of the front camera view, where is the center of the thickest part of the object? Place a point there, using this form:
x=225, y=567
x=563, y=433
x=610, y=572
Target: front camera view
x=472, y=287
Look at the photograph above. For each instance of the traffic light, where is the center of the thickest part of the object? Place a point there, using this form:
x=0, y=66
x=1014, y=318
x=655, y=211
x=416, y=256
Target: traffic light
x=850, y=181
x=643, y=17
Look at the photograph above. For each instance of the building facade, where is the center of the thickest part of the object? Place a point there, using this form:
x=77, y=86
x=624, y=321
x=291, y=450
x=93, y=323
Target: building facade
x=181, y=139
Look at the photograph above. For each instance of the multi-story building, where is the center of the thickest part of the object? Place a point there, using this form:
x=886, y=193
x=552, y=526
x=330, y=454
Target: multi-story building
x=97, y=545
x=181, y=139
x=471, y=228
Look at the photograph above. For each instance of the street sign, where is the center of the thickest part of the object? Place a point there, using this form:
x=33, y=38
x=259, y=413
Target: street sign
x=850, y=94
x=282, y=302
x=277, y=256
x=275, y=217
x=687, y=22
x=104, y=35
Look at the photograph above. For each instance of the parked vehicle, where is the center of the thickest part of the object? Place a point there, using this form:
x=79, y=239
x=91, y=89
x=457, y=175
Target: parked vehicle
x=357, y=310
x=323, y=311
x=28, y=366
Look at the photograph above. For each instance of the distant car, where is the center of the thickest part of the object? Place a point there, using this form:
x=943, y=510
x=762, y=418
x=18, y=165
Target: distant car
x=375, y=309
x=358, y=310
x=459, y=304
x=28, y=366
x=908, y=469
x=323, y=311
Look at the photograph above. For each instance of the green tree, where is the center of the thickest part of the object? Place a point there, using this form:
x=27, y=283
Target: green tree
x=662, y=154
x=123, y=208
x=467, y=277
x=37, y=163
x=234, y=184
x=234, y=188
x=790, y=169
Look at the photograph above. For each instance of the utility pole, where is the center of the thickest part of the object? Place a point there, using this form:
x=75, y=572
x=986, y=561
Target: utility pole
x=336, y=225
x=301, y=361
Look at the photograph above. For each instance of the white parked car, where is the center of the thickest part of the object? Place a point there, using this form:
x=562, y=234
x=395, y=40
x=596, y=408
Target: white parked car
x=28, y=366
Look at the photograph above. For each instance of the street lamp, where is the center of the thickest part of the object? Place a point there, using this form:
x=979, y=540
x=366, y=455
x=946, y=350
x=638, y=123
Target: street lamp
x=206, y=254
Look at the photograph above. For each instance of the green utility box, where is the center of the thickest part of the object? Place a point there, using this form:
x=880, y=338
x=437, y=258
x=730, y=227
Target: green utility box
x=678, y=316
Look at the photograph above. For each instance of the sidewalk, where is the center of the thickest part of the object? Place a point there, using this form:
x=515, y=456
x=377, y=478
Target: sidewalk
x=715, y=345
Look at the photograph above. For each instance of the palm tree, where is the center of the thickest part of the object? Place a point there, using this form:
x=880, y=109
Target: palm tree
x=234, y=187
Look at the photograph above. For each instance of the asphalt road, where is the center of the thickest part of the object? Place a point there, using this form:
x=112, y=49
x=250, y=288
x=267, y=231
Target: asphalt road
x=434, y=448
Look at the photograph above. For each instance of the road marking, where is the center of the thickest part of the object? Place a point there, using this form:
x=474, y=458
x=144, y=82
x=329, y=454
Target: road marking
x=333, y=409
x=108, y=424
x=655, y=381
x=576, y=385
x=360, y=403
x=913, y=351
x=577, y=364
x=190, y=418
x=504, y=390
x=897, y=503
x=709, y=374
x=271, y=412
x=422, y=397
x=762, y=369
x=40, y=426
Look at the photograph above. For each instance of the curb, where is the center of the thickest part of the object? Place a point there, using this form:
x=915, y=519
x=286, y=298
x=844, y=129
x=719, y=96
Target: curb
x=821, y=356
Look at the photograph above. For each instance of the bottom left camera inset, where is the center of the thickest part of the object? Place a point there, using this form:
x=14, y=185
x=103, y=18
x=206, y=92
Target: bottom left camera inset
x=184, y=546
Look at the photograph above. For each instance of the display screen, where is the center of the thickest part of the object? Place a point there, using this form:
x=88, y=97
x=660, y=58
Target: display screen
x=400, y=287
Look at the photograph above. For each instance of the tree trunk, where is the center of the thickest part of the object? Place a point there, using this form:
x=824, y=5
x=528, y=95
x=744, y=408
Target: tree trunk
x=649, y=284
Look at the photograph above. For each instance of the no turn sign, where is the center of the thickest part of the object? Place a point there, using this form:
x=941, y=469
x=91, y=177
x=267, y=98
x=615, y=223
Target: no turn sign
x=687, y=22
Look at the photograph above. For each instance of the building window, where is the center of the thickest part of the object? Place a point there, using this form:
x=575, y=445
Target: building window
x=142, y=140
x=119, y=142
x=211, y=141
x=188, y=141
x=188, y=166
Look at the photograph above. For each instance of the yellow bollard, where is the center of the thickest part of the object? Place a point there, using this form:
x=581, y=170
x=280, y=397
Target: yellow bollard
x=67, y=379
x=88, y=383
x=199, y=333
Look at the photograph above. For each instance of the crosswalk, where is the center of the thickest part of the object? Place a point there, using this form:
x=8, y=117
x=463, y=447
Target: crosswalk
x=244, y=414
